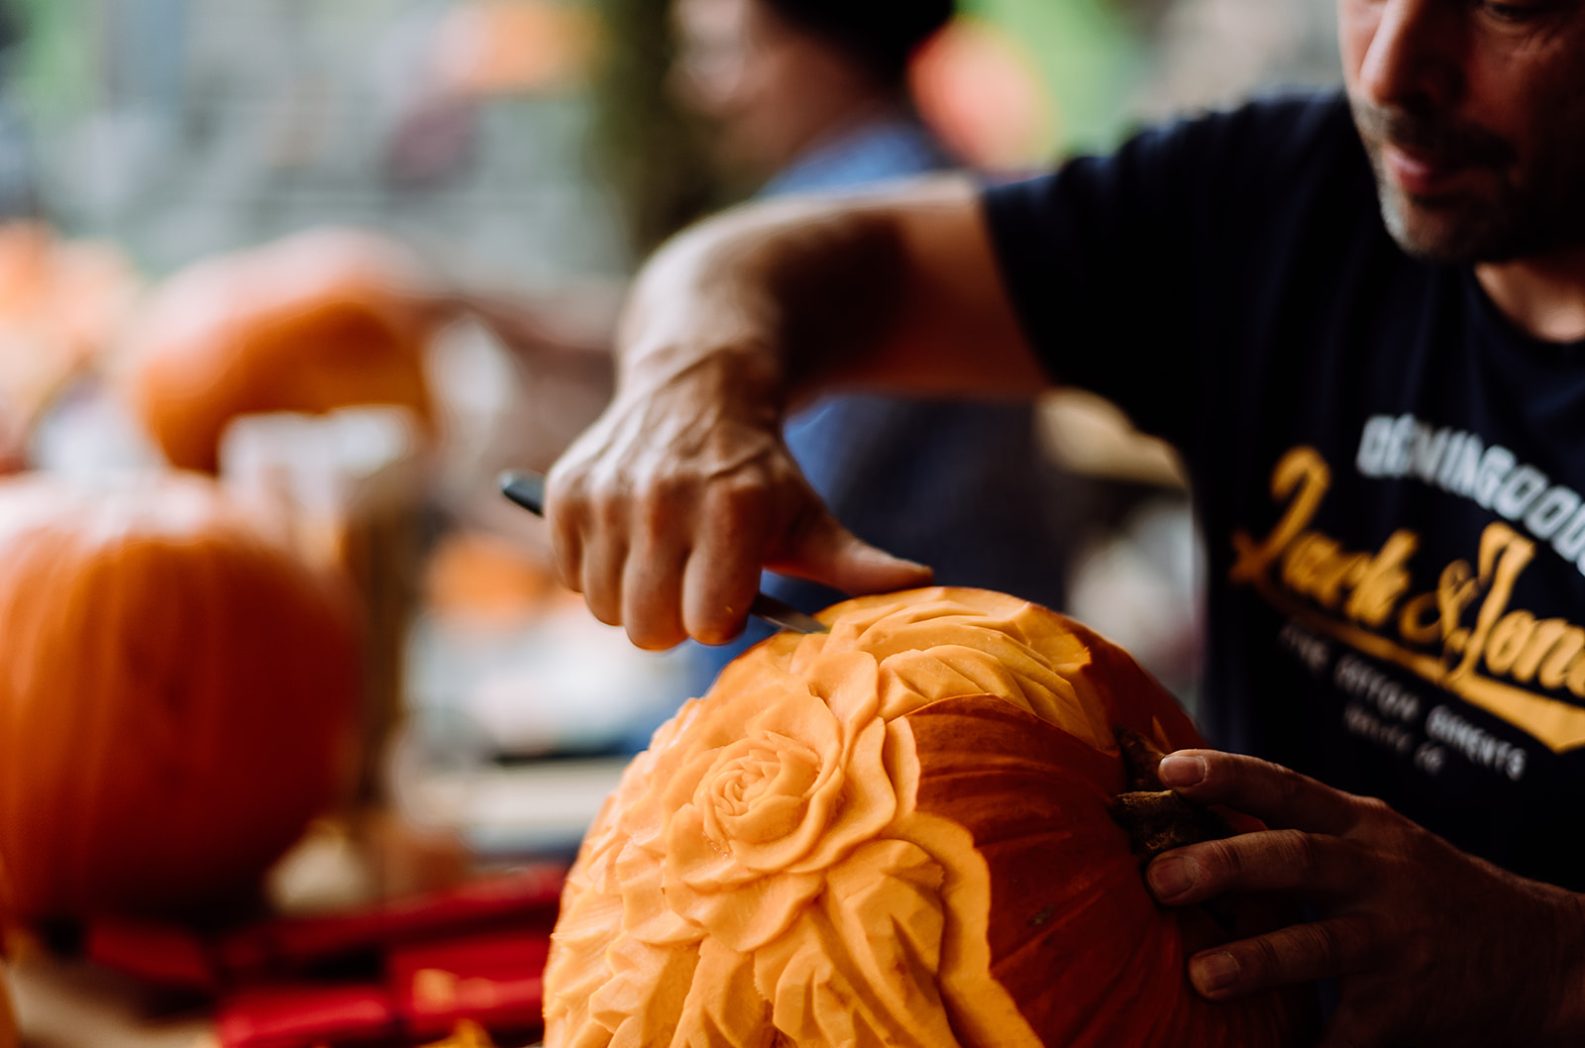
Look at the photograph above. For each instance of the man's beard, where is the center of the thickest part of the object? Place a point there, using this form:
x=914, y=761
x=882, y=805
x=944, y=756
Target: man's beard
x=1512, y=217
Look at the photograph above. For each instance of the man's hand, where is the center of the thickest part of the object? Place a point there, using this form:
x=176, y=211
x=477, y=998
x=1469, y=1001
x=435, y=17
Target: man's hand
x=663, y=513
x=1429, y=944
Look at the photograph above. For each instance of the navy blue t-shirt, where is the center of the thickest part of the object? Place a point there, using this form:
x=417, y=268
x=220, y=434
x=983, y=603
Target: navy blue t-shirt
x=1390, y=475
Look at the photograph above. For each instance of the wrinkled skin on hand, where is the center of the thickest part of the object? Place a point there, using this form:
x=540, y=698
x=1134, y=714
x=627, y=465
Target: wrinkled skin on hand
x=663, y=513
x=1429, y=945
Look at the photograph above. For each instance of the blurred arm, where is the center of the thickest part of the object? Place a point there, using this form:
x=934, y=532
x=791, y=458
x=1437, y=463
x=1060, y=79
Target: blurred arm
x=896, y=289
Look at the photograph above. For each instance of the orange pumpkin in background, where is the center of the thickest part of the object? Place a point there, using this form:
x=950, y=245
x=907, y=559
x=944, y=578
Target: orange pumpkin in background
x=321, y=320
x=894, y=834
x=177, y=696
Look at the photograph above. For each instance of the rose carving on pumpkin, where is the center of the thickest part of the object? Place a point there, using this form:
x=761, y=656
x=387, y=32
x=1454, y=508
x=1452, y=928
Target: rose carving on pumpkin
x=892, y=834
x=769, y=813
x=755, y=833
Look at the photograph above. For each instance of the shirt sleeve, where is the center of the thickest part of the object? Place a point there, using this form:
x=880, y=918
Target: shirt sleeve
x=1126, y=269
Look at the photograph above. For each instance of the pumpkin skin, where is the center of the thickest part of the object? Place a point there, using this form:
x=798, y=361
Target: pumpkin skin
x=177, y=699
x=893, y=834
x=314, y=322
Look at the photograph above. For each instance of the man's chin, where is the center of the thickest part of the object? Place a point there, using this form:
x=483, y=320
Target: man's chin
x=1426, y=241
x=1441, y=231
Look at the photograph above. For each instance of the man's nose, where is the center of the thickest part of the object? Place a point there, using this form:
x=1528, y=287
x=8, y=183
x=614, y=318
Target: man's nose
x=1415, y=57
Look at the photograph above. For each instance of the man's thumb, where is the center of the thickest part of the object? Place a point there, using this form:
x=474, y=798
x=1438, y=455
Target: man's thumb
x=828, y=553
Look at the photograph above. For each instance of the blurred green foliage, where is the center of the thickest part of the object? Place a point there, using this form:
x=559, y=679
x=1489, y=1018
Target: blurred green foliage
x=1088, y=53
x=48, y=68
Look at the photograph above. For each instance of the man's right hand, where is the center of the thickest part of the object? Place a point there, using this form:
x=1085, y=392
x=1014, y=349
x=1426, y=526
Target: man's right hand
x=664, y=511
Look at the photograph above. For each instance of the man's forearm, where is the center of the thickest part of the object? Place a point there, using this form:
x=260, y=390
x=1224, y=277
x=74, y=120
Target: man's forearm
x=890, y=290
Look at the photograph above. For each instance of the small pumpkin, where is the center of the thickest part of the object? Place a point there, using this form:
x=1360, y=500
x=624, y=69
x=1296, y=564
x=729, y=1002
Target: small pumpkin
x=176, y=702
x=897, y=833
x=321, y=320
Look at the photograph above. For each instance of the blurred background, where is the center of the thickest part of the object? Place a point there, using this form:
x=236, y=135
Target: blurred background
x=350, y=259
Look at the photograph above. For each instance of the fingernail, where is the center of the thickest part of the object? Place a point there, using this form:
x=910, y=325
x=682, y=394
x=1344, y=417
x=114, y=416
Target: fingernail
x=1170, y=877
x=1213, y=972
x=1176, y=770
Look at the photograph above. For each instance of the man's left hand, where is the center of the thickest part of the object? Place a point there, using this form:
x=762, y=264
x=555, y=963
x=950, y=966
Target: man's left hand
x=1427, y=943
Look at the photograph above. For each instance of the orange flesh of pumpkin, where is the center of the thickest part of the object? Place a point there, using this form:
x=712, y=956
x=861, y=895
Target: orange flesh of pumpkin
x=893, y=834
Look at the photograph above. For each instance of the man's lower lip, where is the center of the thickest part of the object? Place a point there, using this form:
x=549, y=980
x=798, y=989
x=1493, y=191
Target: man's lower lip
x=1416, y=175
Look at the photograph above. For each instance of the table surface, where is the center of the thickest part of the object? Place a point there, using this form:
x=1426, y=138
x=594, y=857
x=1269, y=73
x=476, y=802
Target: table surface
x=63, y=1003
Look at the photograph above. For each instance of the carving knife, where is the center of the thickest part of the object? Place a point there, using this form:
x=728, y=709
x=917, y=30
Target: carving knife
x=528, y=490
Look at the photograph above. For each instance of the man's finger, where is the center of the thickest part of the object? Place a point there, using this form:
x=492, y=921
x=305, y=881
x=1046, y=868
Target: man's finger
x=659, y=521
x=652, y=593
x=723, y=573
x=1271, y=861
x=604, y=563
x=1301, y=953
x=566, y=539
x=1278, y=796
x=824, y=551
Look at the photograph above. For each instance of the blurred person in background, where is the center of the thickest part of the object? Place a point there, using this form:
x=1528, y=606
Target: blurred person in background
x=809, y=96
x=1360, y=315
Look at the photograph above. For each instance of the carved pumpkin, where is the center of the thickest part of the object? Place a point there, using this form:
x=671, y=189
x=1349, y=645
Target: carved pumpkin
x=176, y=700
x=894, y=834
x=318, y=321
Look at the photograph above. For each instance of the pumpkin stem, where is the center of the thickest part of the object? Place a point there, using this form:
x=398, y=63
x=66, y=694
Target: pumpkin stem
x=1141, y=759
x=1157, y=819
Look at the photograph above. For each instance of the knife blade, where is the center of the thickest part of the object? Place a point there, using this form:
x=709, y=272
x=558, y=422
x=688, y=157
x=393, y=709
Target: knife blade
x=528, y=490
